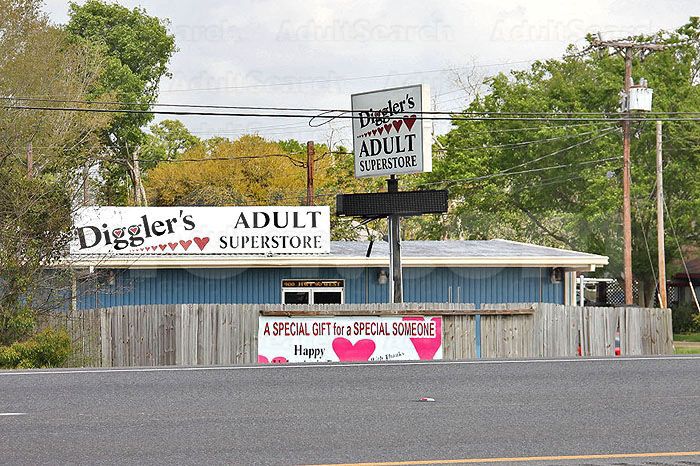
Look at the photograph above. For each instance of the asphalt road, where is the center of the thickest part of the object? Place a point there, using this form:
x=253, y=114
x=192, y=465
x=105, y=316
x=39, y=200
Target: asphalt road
x=357, y=413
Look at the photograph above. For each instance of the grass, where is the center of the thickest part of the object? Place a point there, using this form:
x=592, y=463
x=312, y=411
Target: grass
x=686, y=337
x=687, y=351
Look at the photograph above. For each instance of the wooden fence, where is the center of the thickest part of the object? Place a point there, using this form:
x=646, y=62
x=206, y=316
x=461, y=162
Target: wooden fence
x=85, y=330
x=568, y=331
x=213, y=334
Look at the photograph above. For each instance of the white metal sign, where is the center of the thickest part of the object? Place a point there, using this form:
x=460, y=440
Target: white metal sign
x=390, y=134
x=359, y=338
x=201, y=230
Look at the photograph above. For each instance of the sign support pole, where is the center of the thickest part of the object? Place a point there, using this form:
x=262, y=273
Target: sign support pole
x=310, y=154
x=395, y=275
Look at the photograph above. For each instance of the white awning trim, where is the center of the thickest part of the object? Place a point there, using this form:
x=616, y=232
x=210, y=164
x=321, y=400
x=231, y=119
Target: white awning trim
x=587, y=262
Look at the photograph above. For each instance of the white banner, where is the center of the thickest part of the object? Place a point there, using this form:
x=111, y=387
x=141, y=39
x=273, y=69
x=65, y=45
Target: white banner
x=390, y=134
x=332, y=339
x=201, y=230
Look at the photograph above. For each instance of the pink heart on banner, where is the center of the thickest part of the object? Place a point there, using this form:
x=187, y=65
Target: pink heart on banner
x=277, y=360
x=360, y=351
x=185, y=244
x=427, y=347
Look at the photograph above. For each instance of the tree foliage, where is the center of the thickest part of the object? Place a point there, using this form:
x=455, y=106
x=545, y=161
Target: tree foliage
x=138, y=48
x=246, y=171
x=551, y=182
x=35, y=206
x=166, y=140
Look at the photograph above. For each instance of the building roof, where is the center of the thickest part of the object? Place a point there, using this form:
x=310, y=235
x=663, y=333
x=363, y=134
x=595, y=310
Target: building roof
x=475, y=253
x=683, y=278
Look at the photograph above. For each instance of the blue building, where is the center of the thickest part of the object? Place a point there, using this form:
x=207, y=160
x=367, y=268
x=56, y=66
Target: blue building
x=478, y=272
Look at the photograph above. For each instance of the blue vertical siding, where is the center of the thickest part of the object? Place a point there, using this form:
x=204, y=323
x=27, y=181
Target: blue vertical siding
x=242, y=286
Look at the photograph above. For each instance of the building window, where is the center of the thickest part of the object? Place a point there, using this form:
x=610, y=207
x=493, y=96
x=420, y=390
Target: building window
x=313, y=291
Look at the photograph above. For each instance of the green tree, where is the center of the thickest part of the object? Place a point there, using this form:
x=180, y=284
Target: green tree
x=340, y=173
x=504, y=183
x=37, y=59
x=219, y=172
x=139, y=48
x=166, y=141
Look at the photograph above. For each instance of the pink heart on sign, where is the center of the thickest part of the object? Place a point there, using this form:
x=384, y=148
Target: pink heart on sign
x=427, y=347
x=201, y=242
x=387, y=128
x=397, y=124
x=172, y=245
x=409, y=121
x=360, y=351
x=133, y=229
x=185, y=244
x=118, y=232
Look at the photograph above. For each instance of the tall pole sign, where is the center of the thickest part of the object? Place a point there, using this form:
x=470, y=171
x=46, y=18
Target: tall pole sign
x=391, y=137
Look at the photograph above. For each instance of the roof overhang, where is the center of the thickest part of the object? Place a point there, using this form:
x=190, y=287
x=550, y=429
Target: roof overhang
x=588, y=262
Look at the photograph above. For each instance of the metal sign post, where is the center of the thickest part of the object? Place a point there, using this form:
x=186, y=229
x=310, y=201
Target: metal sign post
x=392, y=136
x=393, y=205
x=395, y=275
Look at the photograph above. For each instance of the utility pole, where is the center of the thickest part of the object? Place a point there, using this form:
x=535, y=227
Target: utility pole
x=137, y=177
x=627, y=48
x=30, y=161
x=395, y=275
x=626, y=182
x=310, y=154
x=663, y=299
x=86, y=185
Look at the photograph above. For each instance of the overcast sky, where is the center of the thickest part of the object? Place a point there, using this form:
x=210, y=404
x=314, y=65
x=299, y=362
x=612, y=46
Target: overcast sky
x=243, y=52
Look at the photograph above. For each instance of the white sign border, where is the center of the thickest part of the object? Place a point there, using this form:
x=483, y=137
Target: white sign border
x=426, y=159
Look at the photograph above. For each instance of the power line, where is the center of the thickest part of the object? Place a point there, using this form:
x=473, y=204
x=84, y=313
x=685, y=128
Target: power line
x=354, y=78
x=533, y=170
x=463, y=117
x=680, y=252
x=509, y=170
x=322, y=194
x=215, y=159
x=605, y=133
x=156, y=104
x=342, y=112
x=527, y=143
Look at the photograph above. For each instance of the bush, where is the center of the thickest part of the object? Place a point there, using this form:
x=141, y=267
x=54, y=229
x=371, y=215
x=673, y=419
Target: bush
x=685, y=318
x=15, y=324
x=48, y=348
